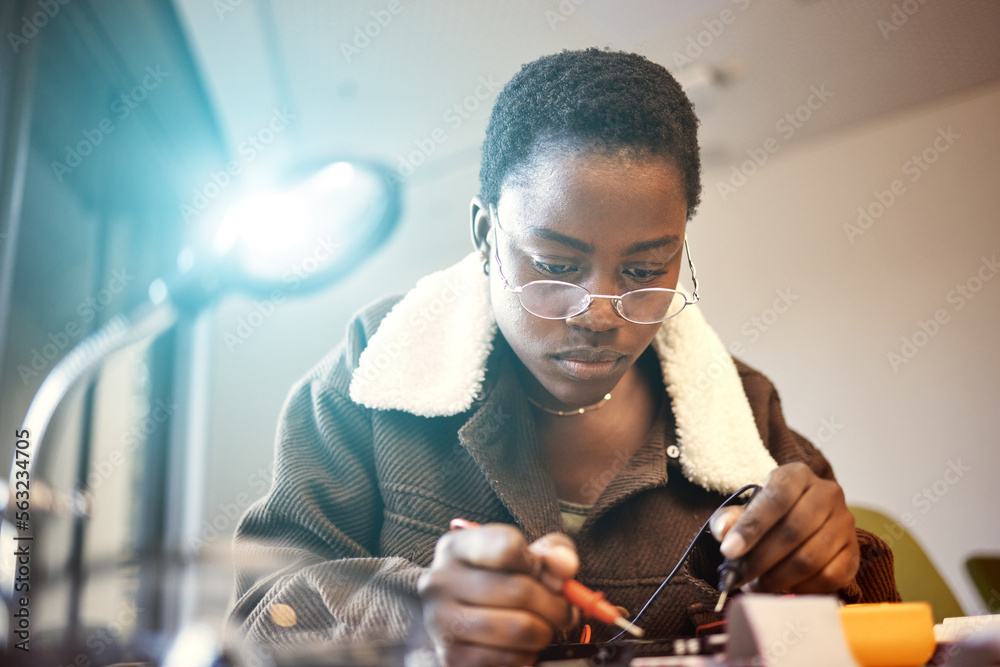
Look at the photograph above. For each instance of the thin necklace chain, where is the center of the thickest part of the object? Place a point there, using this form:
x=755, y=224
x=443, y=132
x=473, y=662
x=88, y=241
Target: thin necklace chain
x=571, y=413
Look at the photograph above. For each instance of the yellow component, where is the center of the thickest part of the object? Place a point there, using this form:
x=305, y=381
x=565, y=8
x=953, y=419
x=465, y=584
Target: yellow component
x=888, y=634
x=916, y=576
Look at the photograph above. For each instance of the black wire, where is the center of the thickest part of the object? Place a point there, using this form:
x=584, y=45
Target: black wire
x=687, y=552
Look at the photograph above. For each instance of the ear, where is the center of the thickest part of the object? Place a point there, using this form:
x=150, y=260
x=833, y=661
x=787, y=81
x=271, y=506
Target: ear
x=481, y=224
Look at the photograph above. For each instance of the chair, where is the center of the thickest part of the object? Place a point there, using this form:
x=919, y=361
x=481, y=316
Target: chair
x=916, y=577
x=985, y=573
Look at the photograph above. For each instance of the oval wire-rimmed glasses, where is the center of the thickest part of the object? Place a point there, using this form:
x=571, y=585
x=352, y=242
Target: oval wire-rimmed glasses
x=559, y=300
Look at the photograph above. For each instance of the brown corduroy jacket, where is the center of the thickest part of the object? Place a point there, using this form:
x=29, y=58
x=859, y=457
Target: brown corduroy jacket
x=360, y=496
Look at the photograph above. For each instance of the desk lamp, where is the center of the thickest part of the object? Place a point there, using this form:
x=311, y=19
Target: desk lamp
x=323, y=219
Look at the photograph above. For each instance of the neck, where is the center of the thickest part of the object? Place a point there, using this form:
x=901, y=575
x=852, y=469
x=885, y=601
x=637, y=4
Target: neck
x=546, y=405
x=574, y=411
x=631, y=397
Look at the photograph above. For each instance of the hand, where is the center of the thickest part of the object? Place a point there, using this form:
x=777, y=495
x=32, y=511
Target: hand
x=490, y=598
x=795, y=536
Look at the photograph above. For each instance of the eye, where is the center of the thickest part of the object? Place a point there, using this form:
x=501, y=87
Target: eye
x=553, y=269
x=644, y=275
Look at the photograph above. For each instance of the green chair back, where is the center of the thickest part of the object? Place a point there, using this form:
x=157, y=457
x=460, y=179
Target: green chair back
x=985, y=573
x=916, y=577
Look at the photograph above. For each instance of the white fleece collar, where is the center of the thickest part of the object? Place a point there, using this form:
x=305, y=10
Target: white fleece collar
x=429, y=355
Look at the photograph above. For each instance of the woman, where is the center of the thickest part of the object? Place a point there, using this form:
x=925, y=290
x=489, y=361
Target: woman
x=500, y=391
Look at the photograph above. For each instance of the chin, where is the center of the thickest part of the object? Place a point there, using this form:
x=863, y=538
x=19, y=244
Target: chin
x=579, y=385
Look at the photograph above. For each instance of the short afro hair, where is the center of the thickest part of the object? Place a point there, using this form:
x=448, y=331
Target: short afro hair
x=605, y=101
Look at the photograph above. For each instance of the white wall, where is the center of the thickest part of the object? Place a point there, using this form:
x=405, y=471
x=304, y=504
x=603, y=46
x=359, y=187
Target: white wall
x=894, y=427
x=896, y=430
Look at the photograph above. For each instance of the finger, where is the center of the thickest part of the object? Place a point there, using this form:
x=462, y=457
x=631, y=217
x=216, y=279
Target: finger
x=781, y=490
x=836, y=574
x=487, y=588
x=557, y=553
x=805, y=522
x=468, y=655
x=495, y=546
x=451, y=622
x=831, y=577
x=723, y=520
x=808, y=558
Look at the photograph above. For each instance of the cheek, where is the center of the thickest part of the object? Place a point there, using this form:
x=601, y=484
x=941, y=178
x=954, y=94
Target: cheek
x=524, y=332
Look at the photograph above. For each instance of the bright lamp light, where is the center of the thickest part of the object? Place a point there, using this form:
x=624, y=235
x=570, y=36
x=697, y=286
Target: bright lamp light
x=321, y=220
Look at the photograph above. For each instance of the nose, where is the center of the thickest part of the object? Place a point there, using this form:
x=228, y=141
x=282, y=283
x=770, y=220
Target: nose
x=600, y=316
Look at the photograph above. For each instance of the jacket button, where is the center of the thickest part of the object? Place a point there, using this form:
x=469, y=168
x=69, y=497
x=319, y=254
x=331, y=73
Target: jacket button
x=480, y=395
x=673, y=451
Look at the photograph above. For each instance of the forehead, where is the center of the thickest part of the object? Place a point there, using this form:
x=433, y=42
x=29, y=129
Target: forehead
x=595, y=197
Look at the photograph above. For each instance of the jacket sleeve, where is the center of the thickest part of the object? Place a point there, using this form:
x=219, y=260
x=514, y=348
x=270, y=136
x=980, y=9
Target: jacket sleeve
x=307, y=559
x=875, y=580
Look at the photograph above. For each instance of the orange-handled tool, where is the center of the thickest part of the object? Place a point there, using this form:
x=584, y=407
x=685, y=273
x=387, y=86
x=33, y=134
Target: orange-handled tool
x=591, y=603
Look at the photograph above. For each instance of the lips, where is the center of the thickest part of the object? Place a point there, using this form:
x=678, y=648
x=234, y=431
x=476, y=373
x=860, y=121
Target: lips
x=589, y=363
x=590, y=355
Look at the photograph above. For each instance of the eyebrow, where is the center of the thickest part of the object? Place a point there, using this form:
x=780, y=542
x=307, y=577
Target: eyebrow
x=652, y=244
x=587, y=248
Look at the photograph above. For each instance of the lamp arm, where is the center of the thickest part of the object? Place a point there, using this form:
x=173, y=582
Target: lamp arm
x=116, y=334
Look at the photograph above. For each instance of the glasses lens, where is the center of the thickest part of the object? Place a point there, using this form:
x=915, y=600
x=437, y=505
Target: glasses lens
x=554, y=300
x=648, y=306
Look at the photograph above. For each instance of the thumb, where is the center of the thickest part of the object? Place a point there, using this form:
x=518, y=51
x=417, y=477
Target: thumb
x=559, y=559
x=723, y=520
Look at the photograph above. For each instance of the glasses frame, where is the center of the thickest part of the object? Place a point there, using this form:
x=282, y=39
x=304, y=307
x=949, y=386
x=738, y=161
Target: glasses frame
x=616, y=300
